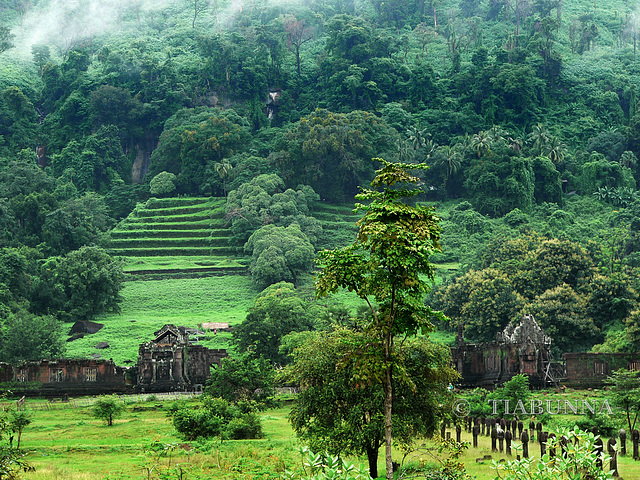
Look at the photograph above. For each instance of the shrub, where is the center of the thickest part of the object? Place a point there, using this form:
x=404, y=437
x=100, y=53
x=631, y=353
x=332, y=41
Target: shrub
x=108, y=408
x=193, y=423
x=216, y=417
x=580, y=461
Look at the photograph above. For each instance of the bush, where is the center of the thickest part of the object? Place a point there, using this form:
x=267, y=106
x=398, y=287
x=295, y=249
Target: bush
x=216, y=417
x=108, y=408
x=244, y=427
x=195, y=423
x=163, y=183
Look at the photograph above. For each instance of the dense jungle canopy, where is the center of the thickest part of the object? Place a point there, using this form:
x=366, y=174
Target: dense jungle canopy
x=526, y=111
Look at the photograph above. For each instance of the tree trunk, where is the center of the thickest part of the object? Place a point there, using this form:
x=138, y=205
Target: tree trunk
x=372, y=458
x=298, y=58
x=388, y=404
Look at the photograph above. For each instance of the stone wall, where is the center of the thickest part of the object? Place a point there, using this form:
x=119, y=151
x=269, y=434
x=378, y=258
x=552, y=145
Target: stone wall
x=592, y=369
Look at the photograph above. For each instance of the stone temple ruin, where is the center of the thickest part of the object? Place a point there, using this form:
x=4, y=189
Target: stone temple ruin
x=172, y=362
x=519, y=349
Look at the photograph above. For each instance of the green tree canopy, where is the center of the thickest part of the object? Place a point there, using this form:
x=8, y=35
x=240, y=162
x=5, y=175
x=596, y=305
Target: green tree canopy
x=276, y=312
x=26, y=337
x=194, y=139
x=339, y=411
x=108, y=408
x=279, y=254
x=388, y=266
x=332, y=151
x=243, y=379
x=80, y=285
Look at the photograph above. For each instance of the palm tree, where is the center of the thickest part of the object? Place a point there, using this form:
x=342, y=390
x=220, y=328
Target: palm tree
x=223, y=169
x=539, y=138
x=417, y=138
x=451, y=159
x=405, y=153
x=429, y=148
x=481, y=143
x=497, y=134
x=628, y=159
x=555, y=150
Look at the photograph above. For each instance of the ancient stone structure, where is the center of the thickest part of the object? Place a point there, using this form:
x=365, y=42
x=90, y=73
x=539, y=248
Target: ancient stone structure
x=519, y=349
x=64, y=377
x=171, y=362
x=592, y=369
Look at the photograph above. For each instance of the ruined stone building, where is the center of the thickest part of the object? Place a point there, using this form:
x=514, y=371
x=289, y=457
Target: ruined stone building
x=172, y=362
x=593, y=369
x=59, y=377
x=519, y=349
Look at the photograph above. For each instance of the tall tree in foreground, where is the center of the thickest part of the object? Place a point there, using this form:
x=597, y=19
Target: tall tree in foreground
x=388, y=266
x=336, y=411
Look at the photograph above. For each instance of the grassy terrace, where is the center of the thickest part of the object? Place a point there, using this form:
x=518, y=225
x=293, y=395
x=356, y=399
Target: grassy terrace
x=172, y=227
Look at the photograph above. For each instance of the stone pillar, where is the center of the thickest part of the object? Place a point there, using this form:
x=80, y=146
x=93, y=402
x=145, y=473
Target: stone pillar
x=508, y=436
x=501, y=440
x=543, y=443
x=520, y=428
x=635, y=438
x=613, y=463
x=599, y=450
x=623, y=441
x=503, y=424
x=475, y=432
x=525, y=444
x=563, y=445
x=552, y=449
x=483, y=424
x=443, y=429
x=514, y=425
x=458, y=433
x=538, y=429
x=532, y=429
x=494, y=438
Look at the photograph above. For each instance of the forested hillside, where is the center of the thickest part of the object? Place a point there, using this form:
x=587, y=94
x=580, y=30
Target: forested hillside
x=525, y=110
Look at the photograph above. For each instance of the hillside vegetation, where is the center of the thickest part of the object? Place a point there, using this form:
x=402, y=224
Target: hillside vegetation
x=218, y=138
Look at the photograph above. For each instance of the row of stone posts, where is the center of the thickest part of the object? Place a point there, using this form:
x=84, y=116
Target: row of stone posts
x=502, y=432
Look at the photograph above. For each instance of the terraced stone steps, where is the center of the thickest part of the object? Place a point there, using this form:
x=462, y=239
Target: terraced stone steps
x=174, y=227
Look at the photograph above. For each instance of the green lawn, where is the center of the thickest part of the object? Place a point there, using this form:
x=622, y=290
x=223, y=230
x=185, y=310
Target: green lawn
x=148, y=305
x=70, y=444
x=137, y=264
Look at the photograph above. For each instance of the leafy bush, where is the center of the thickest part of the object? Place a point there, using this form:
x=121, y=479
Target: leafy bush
x=216, y=418
x=163, y=183
x=195, y=423
x=326, y=467
x=245, y=426
x=107, y=408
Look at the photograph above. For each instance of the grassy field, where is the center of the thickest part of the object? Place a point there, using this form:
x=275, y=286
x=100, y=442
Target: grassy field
x=68, y=443
x=137, y=264
x=148, y=305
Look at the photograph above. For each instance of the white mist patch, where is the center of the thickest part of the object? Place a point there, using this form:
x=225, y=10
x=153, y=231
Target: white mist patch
x=63, y=24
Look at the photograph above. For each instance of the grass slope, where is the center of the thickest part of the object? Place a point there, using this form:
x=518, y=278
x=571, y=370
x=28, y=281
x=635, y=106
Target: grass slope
x=148, y=305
